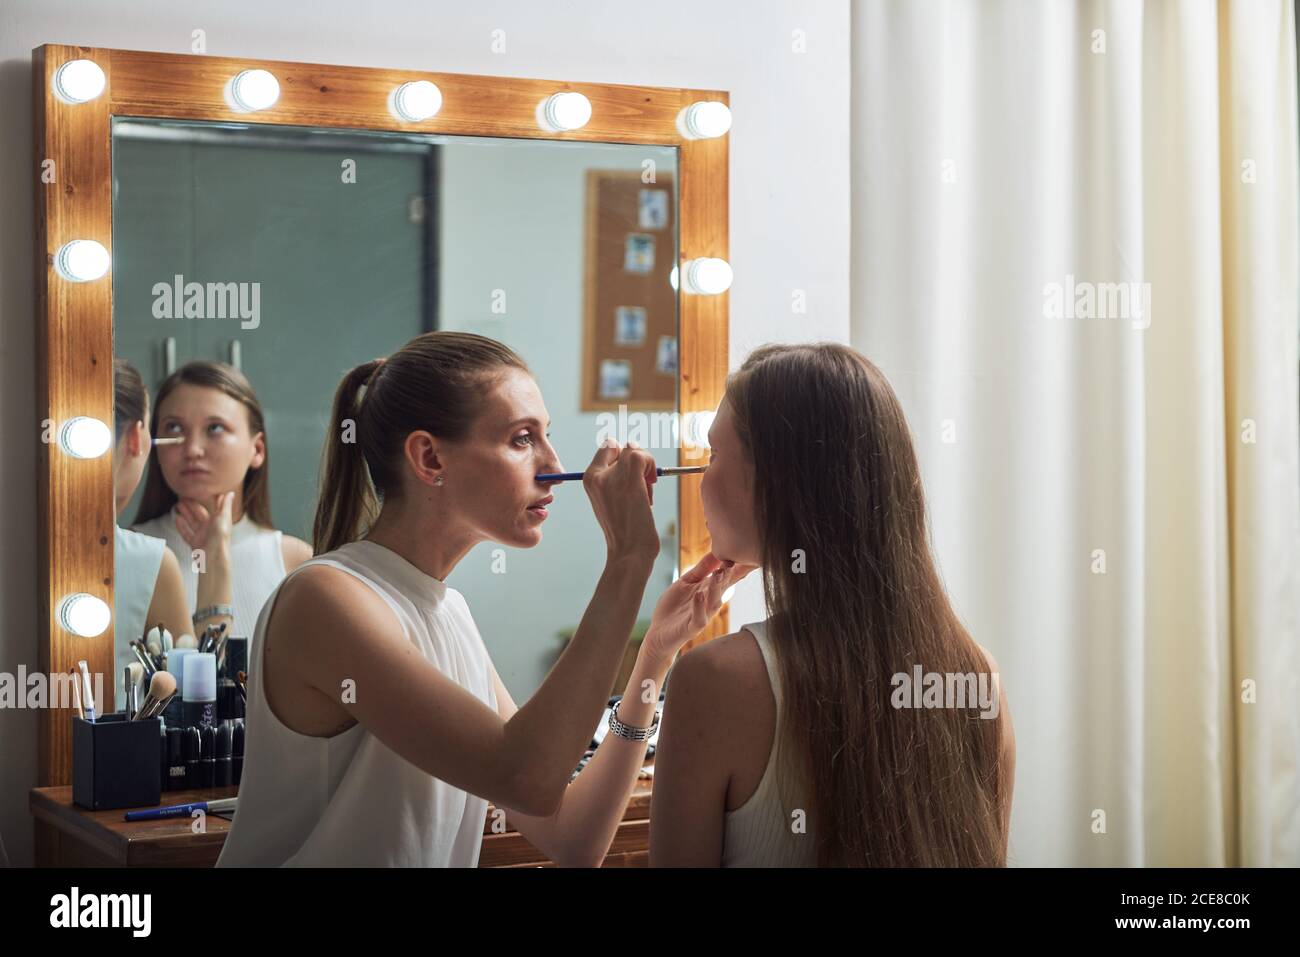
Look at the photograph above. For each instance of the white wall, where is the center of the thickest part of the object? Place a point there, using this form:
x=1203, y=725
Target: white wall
x=789, y=181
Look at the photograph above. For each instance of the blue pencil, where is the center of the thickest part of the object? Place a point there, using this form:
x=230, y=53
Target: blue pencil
x=181, y=810
x=574, y=476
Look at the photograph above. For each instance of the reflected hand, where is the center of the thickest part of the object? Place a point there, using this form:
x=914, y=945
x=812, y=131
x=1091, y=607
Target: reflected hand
x=204, y=527
x=689, y=605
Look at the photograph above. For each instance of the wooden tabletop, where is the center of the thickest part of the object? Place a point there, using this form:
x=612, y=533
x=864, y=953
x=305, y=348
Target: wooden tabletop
x=70, y=835
x=85, y=837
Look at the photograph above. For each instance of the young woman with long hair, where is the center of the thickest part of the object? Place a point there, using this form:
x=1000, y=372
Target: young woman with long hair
x=209, y=496
x=147, y=584
x=790, y=742
x=378, y=728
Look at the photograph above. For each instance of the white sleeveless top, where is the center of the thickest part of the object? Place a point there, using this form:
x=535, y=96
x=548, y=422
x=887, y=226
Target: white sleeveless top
x=256, y=566
x=349, y=800
x=760, y=832
x=136, y=561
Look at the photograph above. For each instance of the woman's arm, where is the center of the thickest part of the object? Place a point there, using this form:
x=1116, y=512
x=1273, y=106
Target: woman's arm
x=581, y=830
x=208, y=534
x=169, y=604
x=333, y=633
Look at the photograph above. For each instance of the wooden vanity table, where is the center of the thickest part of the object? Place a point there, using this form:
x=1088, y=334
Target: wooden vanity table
x=71, y=836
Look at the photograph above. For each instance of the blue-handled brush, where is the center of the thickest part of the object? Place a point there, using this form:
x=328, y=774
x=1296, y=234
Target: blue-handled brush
x=575, y=476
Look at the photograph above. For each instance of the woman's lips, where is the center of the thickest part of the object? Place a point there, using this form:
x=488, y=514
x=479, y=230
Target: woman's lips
x=194, y=471
x=539, y=507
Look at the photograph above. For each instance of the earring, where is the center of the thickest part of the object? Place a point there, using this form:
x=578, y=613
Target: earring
x=438, y=480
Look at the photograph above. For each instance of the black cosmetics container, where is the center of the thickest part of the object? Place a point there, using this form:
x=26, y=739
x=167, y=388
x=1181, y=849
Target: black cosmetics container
x=115, y=762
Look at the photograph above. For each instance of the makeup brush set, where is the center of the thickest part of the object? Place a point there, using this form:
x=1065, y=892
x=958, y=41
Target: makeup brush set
x=181, y=727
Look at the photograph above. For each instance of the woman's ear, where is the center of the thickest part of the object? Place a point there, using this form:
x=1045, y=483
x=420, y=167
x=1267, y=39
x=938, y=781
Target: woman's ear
x=134, y=438
x=421, y=452
x=259, y=451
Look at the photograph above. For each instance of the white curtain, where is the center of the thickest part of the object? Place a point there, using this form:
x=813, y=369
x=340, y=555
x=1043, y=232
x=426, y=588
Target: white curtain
x=1114, y=490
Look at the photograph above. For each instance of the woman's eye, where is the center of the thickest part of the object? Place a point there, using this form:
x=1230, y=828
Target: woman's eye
x=529, y=437
x=216, y=425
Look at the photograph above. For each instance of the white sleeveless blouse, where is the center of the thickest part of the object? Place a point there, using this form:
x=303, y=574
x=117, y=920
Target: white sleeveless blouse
x=136, y=561
x=760, y=832
x=349, y=800
x=256, y=566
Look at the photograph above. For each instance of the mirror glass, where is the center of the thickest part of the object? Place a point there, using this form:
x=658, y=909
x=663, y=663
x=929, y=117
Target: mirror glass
x=292, y=254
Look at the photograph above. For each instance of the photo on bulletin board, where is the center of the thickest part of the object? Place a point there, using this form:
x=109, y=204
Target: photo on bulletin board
x=630, y=304
x=629, y=326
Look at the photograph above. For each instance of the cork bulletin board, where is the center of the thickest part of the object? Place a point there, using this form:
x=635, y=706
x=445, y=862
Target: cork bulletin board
x=630, y=307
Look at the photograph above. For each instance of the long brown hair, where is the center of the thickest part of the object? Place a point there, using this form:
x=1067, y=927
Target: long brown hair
x=837, y=482
x=433, y=383
x=158, y=497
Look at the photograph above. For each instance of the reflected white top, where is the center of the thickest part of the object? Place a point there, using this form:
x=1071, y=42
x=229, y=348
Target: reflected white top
x=759, y=833
x=256, y=566
x=349, y=800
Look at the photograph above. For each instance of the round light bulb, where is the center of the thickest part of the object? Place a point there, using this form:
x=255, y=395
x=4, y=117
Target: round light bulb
x=672, y=279
x=706, y=120
x=707, y=276
x=417, y=100
x=84, y=615
x=253, y=90
x=81, y=260
x=79, y=81
x=567, y=111
x=83, y=437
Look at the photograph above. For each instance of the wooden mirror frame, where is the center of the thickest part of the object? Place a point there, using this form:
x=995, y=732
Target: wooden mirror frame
x=74, y=321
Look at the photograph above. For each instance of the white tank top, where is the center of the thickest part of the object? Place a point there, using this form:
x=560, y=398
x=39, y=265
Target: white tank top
x=760, y=832
x=349, y=800
x=256, y=566
x=136, y=561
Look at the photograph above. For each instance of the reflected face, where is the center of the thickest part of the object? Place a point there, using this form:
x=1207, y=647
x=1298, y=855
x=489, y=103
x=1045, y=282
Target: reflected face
x=727, y=493
x=219, y=446
x=490, y=478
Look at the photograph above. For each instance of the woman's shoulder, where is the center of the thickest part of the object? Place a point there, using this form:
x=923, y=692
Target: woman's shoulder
x=730, y=670
x=294, y=551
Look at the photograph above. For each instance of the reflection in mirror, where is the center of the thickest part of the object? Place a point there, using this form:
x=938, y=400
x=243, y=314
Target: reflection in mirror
x=253, y=265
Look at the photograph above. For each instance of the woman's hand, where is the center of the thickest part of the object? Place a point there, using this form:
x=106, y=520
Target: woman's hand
x=689, y=604
x=620, y=484
x=208, y=528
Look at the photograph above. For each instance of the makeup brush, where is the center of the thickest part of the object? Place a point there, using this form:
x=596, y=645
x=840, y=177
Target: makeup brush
x=175, y=440
x=575, y=476
x=134, y=675
x=76, y=693
x=137, y=647
x=241, y=678
x=161, y=687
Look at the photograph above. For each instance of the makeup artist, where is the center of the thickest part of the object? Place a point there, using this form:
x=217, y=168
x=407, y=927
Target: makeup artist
x=378, y=728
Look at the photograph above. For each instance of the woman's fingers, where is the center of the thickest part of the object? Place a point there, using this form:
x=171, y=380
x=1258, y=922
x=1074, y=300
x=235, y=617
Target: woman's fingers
x=703, y=567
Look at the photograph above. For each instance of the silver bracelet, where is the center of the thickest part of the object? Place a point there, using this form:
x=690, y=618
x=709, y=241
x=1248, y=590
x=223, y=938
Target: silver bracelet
x=627, y=731
x=212, y=611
